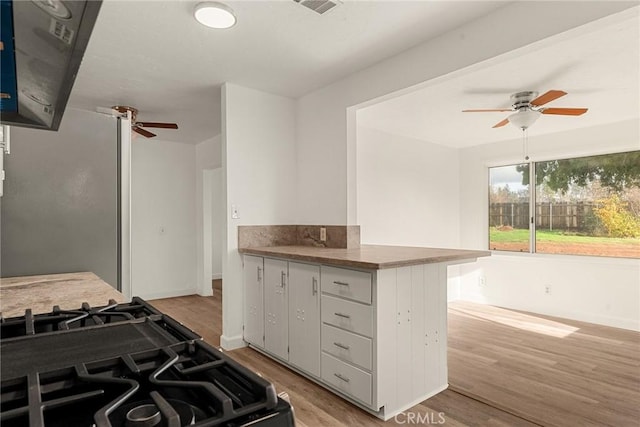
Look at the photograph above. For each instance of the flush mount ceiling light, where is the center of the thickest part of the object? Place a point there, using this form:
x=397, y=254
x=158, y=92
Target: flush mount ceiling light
x=215, y=15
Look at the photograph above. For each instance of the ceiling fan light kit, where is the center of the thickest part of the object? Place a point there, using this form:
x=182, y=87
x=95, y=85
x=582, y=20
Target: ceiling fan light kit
x=524, y=118
x=215, y=15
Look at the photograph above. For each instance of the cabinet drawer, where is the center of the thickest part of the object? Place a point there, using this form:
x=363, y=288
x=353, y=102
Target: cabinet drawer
x=355, y=285
x=347, y=346
x=352, y=316
x=349, y=379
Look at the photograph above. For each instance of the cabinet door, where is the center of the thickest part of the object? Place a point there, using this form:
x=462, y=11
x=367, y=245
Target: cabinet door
x=253, y=279
x=276, y=327
x=304, y=317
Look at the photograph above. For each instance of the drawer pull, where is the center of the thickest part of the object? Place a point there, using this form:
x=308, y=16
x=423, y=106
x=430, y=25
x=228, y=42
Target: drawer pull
x=314, y=286
x=346, y=316
x=340, y=283
x=342, y=346
x=345, y=379
x=259, y=274
x=283, y=278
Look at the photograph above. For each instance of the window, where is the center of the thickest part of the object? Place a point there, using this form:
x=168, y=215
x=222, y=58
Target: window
x=582, y=206
x=509, y=209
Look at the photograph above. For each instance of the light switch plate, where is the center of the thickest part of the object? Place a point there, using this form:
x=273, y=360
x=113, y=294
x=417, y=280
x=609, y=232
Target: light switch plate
x=235, y=212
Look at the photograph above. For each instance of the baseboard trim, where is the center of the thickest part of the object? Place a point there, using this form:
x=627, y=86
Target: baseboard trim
x=207, y=293
x=232, y=343
x=168, y=294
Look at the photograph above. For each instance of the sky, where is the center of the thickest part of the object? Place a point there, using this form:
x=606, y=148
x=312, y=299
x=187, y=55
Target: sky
x=503, y=175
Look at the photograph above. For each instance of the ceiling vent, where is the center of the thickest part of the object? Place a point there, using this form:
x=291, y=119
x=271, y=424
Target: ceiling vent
x=319, y=6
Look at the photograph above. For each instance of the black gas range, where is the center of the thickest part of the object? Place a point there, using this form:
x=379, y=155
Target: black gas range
x=125, y=365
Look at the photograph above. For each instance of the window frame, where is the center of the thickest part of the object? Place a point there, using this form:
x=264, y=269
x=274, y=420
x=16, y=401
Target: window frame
x=532, y=207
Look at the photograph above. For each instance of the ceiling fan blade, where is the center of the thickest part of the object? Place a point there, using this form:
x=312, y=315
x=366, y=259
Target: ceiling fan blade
x=157, y=125
x=565, y=111
x=502, y=123
x=548, y=97
x=487, y=110
x=142, y=132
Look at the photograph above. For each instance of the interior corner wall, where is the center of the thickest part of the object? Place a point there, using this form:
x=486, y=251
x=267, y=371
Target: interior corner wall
x=324, y=164
x=208, y=156
x=601, y=290
x=259, y=169
x=407, y=191
x=163, y=213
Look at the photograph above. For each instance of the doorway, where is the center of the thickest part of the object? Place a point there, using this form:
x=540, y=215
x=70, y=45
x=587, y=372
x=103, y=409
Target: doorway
x=212, y=229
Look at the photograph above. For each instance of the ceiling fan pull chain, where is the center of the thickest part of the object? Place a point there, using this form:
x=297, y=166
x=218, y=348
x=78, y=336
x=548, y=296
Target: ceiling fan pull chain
x=525, y=144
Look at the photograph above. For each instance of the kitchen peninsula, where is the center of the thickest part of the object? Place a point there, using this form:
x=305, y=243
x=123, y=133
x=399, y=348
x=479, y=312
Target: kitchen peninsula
x=367, y=322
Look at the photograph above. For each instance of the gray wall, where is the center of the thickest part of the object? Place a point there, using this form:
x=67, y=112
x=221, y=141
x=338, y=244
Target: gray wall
x=59, y=209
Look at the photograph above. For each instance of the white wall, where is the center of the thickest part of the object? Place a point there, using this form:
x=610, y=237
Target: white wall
x=208, y=156
x=163, y=228
x=407, y=191
x=326, y=165
x=593, y=289
x=259, y=154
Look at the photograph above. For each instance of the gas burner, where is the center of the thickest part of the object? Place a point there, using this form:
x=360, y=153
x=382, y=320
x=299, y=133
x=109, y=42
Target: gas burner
x=156, y=411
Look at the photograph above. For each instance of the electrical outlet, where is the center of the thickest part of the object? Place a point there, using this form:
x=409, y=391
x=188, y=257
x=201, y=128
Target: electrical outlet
x=547, y=289
x=482, y=281
x=323, y=234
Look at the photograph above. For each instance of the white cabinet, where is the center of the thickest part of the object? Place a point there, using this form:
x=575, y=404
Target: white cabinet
x=276, y=305
x=377, y=338
x=344, y=345
x=347, y=332
x=254, y=300
x=350, y=284
x=304, y=317
x=347, y=378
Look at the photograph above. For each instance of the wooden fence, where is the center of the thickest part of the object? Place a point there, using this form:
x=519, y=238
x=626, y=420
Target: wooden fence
x=549, y=216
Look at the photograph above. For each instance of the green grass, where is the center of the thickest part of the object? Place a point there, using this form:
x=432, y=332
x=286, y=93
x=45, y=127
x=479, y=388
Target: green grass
x=521, y=235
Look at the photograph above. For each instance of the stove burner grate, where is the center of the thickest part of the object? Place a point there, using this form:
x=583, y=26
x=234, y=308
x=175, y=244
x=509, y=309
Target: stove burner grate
x=62, y=320
x=124, y=365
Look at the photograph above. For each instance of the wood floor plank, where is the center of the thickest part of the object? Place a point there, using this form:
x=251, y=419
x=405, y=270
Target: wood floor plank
x=506, y=368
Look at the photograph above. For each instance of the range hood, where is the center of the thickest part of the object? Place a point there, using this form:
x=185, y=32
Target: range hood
x=41, y=49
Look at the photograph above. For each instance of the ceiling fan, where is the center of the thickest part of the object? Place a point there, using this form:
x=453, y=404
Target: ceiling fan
x=528, y=107
x=136, y=126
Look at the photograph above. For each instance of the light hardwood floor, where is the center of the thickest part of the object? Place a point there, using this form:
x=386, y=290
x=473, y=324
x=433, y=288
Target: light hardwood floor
x=506, y=368
x=549, y=370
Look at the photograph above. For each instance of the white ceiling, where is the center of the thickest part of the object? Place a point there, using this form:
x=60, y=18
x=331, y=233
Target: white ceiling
x=154, y=56
x=600, y=70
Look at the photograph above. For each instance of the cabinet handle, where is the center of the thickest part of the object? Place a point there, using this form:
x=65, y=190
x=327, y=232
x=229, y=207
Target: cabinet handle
x=346, y=316
x=342, y=346
x=283, y=277
x=259, y=274
x=314, y=286
x=336, y=282
x=345, y=379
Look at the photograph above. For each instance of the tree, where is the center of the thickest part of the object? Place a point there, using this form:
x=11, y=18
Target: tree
x=615, y=171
